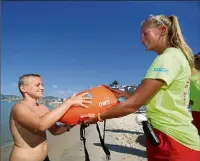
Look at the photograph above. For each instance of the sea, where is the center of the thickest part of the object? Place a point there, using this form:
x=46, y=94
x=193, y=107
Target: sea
x=6, y=137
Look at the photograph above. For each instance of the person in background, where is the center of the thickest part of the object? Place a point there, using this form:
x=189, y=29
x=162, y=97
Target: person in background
x=30, y=120
x=195, y=93
x=164, y=91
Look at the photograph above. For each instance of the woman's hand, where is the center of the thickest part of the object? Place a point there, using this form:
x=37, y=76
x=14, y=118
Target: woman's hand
x=79, y=100
x=118, y=93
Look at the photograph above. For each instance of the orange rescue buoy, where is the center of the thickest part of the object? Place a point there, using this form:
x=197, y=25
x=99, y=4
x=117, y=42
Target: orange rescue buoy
x=102, y=100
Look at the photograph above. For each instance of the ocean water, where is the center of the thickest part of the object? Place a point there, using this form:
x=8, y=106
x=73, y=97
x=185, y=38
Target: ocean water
x=6, y=137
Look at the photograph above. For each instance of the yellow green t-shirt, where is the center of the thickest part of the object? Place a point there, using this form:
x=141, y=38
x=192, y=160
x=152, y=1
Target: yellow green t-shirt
x=195, y=92
x=167, y=110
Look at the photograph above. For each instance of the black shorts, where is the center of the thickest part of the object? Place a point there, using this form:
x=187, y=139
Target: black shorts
x=47, y=158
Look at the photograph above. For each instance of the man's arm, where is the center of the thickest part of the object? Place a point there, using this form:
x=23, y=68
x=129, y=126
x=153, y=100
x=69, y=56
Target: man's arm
x=57, y=129
x=31, y=121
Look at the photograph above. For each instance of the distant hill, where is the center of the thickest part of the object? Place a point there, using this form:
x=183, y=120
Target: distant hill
x=15, y=97
x=10, y=97
x=4, y=95
x=50, y=97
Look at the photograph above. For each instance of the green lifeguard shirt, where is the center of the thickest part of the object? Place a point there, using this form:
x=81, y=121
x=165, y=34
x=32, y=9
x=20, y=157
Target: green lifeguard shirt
x=167, y=110
x=195, y=92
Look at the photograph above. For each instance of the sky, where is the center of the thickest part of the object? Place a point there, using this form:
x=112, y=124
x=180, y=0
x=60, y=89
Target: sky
x=78, y=45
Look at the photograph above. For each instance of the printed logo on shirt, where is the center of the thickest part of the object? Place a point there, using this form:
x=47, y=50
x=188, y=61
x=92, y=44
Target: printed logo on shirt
x=186, y=93
x=160, y=70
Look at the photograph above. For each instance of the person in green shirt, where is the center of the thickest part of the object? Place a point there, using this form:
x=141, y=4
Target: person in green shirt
x=165, y=93
x=195, y=93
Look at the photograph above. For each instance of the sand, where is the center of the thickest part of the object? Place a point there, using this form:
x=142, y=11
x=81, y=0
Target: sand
x=124, y=138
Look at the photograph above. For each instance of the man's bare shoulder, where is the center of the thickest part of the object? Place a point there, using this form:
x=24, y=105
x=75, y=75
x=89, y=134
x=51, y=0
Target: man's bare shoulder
x=20, y=111
x=18, y=107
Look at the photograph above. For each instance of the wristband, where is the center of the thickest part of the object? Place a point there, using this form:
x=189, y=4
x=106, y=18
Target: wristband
x=99, y=117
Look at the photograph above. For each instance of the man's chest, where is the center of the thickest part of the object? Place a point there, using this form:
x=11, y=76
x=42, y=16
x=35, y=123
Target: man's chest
x=40, y=111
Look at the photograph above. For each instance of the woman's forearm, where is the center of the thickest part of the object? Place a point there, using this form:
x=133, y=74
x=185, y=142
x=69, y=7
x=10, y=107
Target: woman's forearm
x=145, y=91
x=119, y=110
x=128, y=95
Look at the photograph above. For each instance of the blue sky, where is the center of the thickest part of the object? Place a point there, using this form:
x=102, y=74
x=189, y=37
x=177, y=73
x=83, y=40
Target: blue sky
x=78, y=45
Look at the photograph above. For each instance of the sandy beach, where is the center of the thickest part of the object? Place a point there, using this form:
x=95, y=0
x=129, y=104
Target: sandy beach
x=124, y=138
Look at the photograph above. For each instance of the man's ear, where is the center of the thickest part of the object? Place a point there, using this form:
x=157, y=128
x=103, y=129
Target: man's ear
x=23, y=89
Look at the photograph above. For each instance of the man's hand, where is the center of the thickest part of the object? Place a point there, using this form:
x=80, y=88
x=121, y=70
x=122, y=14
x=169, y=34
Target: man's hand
x=67, y=127
x=79, y=100
x=60, y=129
x=90, y=118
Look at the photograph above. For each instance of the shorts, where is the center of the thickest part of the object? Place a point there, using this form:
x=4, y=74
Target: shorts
x=196, y=119
x=170, y=150
x=47, y=158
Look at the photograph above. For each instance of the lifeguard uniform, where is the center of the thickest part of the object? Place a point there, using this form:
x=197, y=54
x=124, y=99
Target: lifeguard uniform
x=195, y=97
x=167, y=110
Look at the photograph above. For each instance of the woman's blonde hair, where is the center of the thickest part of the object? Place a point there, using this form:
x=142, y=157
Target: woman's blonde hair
x=175, y=35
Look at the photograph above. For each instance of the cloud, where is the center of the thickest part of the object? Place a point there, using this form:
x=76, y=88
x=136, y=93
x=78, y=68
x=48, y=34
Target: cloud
x=55, y=86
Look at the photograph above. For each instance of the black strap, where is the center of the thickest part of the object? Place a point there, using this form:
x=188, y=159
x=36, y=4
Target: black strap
x=82, y=135
x=106, y=150
x=102, y=140
x=104, y=129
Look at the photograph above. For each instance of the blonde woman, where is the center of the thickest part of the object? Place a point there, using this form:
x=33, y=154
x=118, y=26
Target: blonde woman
x=164, y=91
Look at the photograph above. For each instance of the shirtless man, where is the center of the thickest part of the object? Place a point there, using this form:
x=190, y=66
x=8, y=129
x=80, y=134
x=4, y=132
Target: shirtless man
x=30, y=120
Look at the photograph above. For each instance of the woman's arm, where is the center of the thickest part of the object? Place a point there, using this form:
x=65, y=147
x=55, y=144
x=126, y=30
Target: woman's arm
x=144, y=92
x=141, y=96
